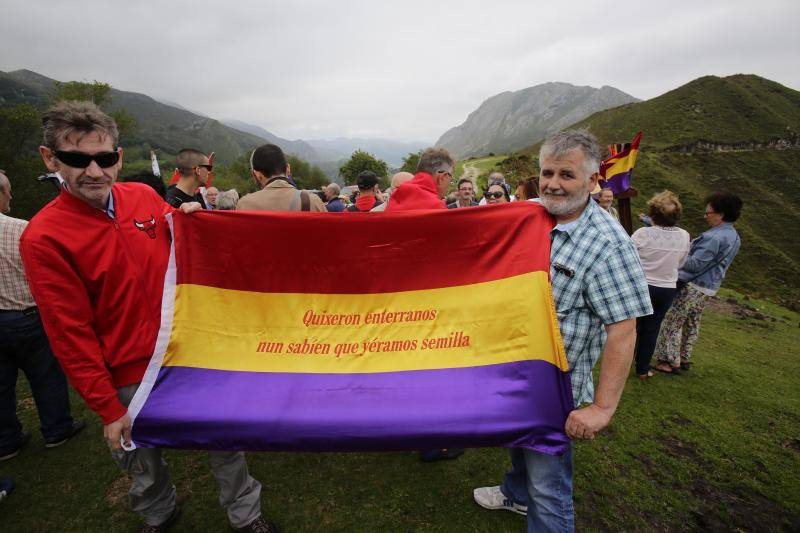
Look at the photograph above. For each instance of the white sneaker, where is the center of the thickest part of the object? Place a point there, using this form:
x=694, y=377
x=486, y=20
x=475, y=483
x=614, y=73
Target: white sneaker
x=493, y=498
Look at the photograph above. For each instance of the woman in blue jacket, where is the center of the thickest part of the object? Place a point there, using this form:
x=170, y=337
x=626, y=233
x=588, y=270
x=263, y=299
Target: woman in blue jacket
x=701, y=275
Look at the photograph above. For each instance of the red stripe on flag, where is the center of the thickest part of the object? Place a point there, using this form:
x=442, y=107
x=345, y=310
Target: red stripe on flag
x=301, y=252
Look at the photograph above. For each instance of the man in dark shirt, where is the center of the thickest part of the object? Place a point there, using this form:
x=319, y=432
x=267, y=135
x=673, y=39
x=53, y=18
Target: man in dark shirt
x=193, y=167
x=465, y=197
x=335, y=204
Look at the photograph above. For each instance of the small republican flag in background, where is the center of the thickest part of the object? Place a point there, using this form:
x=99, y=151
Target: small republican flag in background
x=616, y=170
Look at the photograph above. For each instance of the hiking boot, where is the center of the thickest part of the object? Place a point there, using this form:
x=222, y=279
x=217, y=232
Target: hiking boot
x=259, y=525
x=163, y=526
x=493, y=498
x=24, y=437
x=77, y=427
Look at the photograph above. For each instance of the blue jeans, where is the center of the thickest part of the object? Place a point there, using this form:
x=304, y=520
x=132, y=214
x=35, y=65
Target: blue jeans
x=24, y=345
x=543, y=483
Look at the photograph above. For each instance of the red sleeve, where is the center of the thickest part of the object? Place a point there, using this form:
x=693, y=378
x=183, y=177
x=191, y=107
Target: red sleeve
x=67, y=317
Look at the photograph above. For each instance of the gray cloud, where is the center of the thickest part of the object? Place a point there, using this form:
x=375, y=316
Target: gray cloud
x=402, y=70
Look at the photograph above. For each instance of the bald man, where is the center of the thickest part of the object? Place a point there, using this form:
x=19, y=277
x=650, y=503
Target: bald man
x=334, y=203
x=397, y=180
x=194, y=168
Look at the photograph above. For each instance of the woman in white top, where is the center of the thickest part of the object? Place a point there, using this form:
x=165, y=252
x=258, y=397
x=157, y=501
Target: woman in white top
x=663, y=248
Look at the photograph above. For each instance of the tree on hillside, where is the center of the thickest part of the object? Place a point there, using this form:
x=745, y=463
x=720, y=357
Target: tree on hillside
x=305, y=175
x=20, y=127
x=410, y=162
x=95, y=92
x=361, y=161
x=518, y=167
x=100, y=94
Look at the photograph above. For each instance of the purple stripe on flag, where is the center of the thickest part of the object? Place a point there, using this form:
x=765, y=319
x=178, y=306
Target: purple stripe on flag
x=520, y=404
x=619, y=183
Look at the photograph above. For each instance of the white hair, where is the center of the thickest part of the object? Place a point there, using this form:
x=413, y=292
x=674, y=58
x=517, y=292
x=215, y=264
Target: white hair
x=227, y=200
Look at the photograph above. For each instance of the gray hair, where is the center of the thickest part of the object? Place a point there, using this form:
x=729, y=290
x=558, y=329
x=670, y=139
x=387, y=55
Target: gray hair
x=433, y=160
x=497, y=176
x=4, y=182
x=227, y=200
x=68, y=117
x=563, y=142
x=334, y=188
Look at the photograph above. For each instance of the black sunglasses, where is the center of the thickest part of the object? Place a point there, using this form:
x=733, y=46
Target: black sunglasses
x=207, y=167
x=496, y=195
x=81, y=160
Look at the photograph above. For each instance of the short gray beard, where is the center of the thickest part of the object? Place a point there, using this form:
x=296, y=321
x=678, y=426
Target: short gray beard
x=571, y=204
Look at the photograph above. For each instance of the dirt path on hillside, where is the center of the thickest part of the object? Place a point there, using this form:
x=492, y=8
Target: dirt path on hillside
x=471, y=172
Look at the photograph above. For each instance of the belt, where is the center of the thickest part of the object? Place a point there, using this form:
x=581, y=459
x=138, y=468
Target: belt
x=29, y=311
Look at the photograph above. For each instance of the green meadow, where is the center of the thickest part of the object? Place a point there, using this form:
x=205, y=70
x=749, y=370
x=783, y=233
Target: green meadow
x=715, y=449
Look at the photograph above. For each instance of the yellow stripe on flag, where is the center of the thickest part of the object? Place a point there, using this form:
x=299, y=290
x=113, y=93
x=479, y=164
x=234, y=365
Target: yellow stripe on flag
x=501, y=321
x=622, y=165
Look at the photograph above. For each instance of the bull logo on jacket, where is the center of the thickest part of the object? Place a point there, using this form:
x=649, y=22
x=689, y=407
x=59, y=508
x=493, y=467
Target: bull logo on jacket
x=148, y=226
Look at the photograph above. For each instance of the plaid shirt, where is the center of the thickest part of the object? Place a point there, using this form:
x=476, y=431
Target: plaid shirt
x=14, y=292
x=597, y=280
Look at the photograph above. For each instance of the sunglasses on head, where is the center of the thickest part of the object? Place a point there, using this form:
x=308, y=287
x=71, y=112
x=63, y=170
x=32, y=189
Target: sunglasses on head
x=82, y=160
x=496, y=195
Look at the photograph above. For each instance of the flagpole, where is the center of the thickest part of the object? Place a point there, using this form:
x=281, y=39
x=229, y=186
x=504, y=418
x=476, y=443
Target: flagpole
x=624, y=208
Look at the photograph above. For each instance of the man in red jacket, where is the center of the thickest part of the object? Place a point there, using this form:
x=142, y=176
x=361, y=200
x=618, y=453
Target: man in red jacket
x=426, y=190
x=95, y=258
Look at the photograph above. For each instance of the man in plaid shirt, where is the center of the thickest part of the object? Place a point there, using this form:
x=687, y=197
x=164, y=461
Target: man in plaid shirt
x=599, y=289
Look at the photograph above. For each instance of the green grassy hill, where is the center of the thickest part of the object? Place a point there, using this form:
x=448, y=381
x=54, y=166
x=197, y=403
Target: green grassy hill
x=738, y=134
x=158, y=126
x=736, y=110
x=715, y=449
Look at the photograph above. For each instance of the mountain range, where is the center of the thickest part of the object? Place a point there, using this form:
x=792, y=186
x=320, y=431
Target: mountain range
x=320, y=151
x=513, y=120
x=168, y=126
x=738, y=133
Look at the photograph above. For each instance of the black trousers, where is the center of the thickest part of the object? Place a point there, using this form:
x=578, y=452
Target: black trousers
x=647, y=326
x=24, y=346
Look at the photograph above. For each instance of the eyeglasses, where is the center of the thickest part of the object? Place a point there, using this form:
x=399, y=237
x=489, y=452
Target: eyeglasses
x=465, y=189
x=207, y=167
x=496, y=195
x=82, y=160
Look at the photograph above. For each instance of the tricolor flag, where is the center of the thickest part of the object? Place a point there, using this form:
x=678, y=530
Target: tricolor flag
x=410, y=330
x=617, y=170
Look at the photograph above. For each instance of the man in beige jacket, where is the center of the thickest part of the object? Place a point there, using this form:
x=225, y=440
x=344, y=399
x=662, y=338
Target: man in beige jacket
x=278, y=191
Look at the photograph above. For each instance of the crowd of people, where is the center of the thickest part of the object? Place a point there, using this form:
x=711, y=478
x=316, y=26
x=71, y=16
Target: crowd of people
x=98, y=279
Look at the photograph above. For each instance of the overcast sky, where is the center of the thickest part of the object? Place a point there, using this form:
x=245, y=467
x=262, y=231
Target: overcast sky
x=405, y=70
